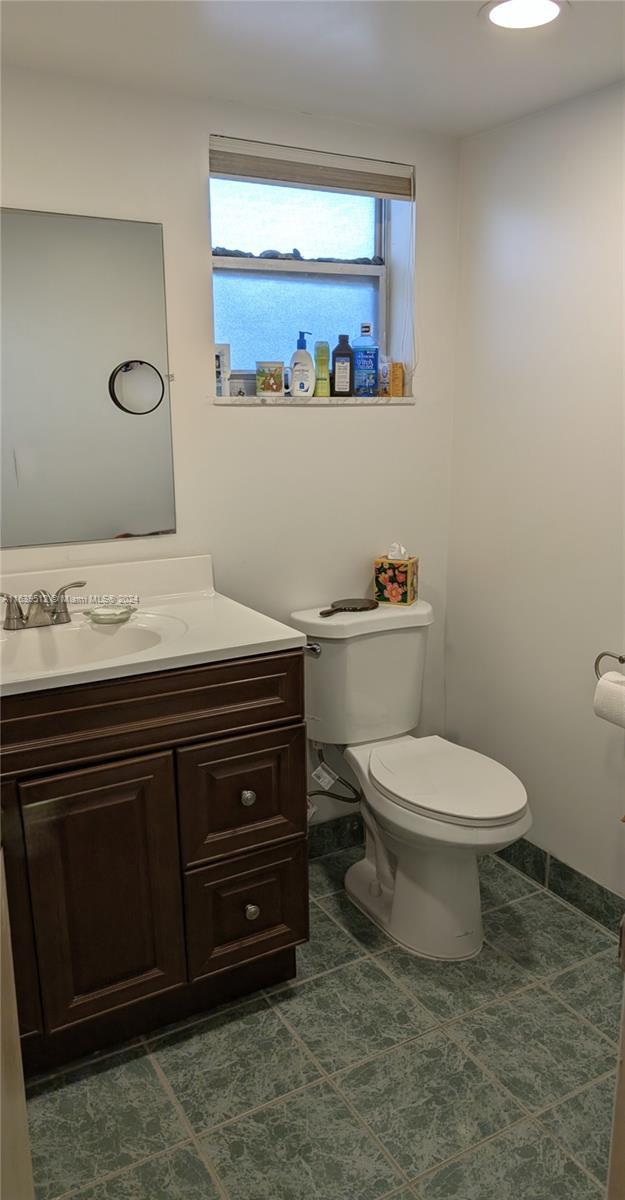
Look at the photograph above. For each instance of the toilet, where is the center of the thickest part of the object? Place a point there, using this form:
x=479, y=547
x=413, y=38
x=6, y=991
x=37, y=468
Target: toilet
x=430, y=807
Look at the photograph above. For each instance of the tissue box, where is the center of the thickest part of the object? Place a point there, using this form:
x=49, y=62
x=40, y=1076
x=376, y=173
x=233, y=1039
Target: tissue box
x=396, y=580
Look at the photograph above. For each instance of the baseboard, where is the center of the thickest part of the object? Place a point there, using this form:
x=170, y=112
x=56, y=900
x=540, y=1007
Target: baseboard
x=592, y=898
x=571, y=885
x=325, y=837
x=528, y=858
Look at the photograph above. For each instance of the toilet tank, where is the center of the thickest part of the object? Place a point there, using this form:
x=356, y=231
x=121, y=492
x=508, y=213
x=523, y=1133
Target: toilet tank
x=367, y=681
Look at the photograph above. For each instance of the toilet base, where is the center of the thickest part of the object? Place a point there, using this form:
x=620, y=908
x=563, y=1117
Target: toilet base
x=434, y=910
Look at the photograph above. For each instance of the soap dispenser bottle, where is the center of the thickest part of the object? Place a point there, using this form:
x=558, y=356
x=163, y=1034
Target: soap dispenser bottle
x=302, y=368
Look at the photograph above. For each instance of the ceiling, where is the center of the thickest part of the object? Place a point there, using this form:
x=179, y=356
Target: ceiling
x=436, y=65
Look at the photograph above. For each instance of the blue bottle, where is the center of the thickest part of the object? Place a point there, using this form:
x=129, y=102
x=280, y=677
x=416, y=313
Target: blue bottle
x=365, y=363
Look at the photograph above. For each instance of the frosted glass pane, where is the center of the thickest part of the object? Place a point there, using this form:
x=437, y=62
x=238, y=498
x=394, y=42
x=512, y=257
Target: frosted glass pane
x=260, y=315
x=261, y=216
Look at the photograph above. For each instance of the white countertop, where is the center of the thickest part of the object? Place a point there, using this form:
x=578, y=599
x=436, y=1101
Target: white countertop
x=169, y=631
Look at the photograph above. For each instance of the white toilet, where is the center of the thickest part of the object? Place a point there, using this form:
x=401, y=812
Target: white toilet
x=429, y=807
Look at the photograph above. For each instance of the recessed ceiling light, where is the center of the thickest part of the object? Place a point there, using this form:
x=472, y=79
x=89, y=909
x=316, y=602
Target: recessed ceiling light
x=523, y=14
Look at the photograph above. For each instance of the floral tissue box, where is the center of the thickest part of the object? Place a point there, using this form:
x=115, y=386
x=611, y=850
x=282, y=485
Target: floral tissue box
x=396, y=580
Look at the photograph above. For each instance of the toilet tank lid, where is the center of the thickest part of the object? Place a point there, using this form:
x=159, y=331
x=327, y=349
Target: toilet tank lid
x=349, y=625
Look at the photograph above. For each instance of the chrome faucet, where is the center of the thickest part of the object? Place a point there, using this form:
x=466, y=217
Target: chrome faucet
x=43, y=609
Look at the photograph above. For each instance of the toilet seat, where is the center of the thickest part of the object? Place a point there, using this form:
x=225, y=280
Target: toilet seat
x=445, y=782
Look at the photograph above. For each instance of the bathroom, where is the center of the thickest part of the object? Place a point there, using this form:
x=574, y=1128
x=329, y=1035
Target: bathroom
x=336, y=1063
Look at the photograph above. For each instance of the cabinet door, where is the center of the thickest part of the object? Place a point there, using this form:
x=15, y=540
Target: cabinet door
x=20, y=915
x=102, y=852
x=241, y=910
x=241, y=793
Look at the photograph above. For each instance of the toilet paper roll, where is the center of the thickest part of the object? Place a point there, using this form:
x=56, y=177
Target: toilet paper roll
x=609, y=702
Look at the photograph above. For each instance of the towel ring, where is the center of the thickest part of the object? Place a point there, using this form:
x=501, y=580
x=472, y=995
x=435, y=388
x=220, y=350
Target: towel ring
x=620, y=658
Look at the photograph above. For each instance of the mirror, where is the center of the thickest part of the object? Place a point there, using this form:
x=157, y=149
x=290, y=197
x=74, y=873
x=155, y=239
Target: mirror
x=86, y=429
x=136, y=387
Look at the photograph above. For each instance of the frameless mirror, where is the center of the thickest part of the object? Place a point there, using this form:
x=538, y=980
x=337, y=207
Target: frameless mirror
x=86, y=430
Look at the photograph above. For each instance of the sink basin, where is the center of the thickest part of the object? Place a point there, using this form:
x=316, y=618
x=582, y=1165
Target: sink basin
x=181, y=622
x=30, y=651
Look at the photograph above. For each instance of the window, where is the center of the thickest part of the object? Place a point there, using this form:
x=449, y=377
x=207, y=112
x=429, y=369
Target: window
x=297, y=245
x=259, y=301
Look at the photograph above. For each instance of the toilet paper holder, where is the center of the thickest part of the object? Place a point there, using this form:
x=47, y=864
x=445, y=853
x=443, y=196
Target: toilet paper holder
x=620, y=658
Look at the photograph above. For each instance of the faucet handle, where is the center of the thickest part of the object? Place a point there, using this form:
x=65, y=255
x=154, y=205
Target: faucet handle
x=59, y=603
x=66, y=586
x=14, y=615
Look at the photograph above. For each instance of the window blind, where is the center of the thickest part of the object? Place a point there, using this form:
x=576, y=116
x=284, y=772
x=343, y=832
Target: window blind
x=232, y=158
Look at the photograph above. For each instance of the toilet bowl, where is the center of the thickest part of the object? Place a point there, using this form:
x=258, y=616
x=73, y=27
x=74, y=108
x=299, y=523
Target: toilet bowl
x=430, y=807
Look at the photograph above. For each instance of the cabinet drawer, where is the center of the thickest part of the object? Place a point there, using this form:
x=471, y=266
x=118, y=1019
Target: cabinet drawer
x=241, y=793
x=102, y=851
x=117, y=716
x=242, y=910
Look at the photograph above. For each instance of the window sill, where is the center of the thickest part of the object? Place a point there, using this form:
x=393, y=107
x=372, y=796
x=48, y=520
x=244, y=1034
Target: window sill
x=313, y=401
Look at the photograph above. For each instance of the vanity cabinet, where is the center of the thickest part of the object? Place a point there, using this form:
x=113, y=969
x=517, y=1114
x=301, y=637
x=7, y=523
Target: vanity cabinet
x=155, y=839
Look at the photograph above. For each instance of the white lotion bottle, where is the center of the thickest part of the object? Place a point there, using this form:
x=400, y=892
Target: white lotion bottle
x=302, y=369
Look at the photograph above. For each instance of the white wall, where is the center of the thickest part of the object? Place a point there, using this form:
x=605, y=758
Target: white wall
x=293, y=505
x=536, y=550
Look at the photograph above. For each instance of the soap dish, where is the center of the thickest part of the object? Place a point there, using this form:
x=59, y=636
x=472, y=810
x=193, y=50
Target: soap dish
x=105, y=614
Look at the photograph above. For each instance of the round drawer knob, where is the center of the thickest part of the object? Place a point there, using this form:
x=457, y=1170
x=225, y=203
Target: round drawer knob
x=248, y=798
x=252, y=912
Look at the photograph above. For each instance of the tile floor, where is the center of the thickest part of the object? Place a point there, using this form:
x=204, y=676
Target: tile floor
x=375, y=1075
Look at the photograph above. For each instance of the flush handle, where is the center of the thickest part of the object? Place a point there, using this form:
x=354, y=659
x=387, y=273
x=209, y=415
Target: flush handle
x=248, y=798
x=252, y=912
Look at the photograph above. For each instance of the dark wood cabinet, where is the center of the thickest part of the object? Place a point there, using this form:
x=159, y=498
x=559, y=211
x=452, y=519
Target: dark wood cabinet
x=240, y=910
x=240, y=793
x=102, y=854
x=154, y=831
x=22, y=933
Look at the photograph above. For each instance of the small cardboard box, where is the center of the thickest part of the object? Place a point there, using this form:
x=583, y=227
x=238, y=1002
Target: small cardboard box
x=397, y=379
x=396, y=580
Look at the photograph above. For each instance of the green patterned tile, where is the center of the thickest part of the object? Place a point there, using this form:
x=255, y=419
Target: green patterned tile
x=354, y=1012
x=326, y=875
x=97, y=1119
x=584, y=1125
x=528, y=858
x=426, y=1101
x=325, y=837
x=543, y=935
x=206, y=1013
x=499, y=883
x=308, y=1147
x=593, y=899
x=95, y=1059
x=535, y=1047
x=180, y=1175
x=524, y=1164
x=355, y=922
x=595, y=990
x=449, y=989
x=328, y=947
x=234, y=1061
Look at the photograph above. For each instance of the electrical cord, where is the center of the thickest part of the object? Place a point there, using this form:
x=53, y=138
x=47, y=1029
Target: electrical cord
x=356, y=794
x=335, y=796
